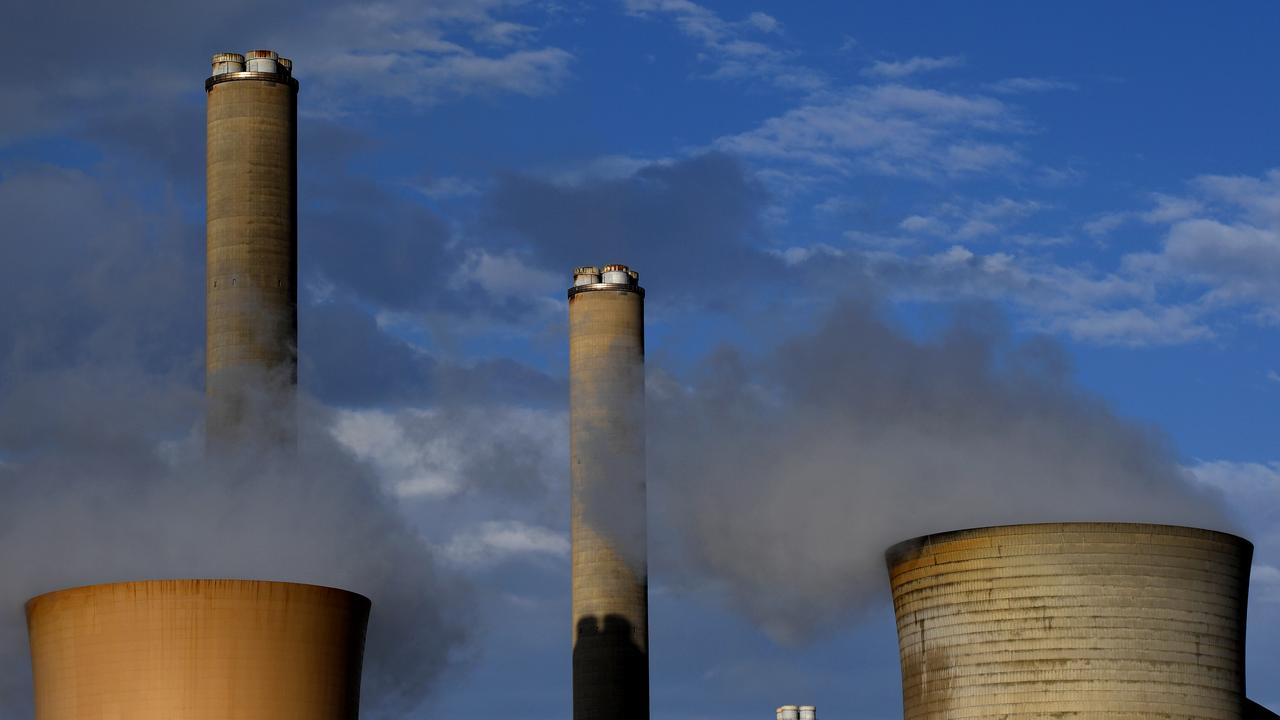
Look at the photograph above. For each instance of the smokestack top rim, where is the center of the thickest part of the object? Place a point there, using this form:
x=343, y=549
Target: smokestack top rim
x=261, y=55
x=907, y=549
x=32, y=602
x=282, y=78
x=227, y=57
x=596, y=287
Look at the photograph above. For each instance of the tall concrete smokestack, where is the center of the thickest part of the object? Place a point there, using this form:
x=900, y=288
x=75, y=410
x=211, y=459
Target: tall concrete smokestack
x=607, y=469
x=1072, y=620
x=197, y=650
x=251, y=243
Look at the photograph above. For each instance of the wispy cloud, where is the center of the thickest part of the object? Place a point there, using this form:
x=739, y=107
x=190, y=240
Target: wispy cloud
x=1223, y=238
x=1076, y=301
x=897, y=70
x=889, y=129
x=1252, y=492
x=734, y=49
x=346, y=53
x=972, y=220
x=443, y=452
x=496, y=541
x=1018, y=85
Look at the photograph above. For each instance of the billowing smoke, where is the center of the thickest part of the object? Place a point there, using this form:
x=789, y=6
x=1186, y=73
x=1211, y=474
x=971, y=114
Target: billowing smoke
x=786, y=476
x=108, y=490
x=103, y=475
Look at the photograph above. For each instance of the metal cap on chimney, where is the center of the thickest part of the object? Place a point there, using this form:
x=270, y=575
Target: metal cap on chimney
x=224, y=63
x=616, y=275
x=263, y=61
x=586, y=275
x=613, y=277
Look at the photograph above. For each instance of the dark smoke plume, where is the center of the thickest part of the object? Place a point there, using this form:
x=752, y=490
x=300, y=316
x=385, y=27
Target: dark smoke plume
x=786, y=476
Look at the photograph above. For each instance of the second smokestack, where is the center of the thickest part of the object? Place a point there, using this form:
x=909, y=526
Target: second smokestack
x=607, y=470
x=251, y=243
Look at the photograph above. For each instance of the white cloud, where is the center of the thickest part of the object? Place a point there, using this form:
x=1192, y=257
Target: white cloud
x=1222, y=239
x=1104, y=224
x=509, y=275
x=728, y=45
x=1251, y=487
x=912, y=66
x=438, y=453
x=924, y=224
x=1170, y=208
x=890, y=129
x=799, y=255
x=975, y=220
x=1016, y=85
x=1134, y=326
x=764, y=22
x=1252, y=492
x=418, y=53
x=493, y=542
x=1077, y=301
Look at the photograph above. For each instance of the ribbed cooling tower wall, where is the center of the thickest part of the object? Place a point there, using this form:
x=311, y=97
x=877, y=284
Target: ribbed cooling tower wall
x=1072, y=620
x=251, y=243
x=607, y=470
x=197, y=650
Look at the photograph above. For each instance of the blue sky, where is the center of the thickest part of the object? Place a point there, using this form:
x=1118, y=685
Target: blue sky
x=1093, y=185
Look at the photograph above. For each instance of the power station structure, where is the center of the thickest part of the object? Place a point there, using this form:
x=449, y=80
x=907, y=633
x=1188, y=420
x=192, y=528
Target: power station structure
x=218, y=649
x=1066, y=620
x=607, y=497
x=251, y=247
x=197, y=650
x=1073, y=620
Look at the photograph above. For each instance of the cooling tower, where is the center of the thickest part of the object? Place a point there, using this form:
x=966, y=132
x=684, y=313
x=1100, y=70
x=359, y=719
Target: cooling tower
x=607, y=469
x=251, y=244
x=197, y=650
x=1073, y=620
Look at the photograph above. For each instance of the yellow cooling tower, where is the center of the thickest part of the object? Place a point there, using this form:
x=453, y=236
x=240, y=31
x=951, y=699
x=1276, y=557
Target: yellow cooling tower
x=1072, y=620
x=197, y=650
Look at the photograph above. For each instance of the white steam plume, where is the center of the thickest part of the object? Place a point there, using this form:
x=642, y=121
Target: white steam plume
x=787, y=476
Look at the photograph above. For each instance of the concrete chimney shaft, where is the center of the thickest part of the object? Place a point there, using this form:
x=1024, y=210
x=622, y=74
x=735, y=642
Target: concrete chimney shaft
x=607, y=470
x=251, y=242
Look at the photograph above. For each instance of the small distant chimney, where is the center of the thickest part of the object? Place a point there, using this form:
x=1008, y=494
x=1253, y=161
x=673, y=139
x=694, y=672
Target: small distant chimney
x=808, y=712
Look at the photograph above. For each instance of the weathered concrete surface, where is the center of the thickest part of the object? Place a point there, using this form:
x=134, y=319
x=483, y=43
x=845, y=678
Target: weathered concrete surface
x=251, y=293
x=610, y=584
x=1072, y=620
x=197, y=650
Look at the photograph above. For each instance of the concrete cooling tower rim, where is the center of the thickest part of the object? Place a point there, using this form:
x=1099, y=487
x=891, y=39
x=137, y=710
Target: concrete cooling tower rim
x=909, y=549
x=193, y=582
